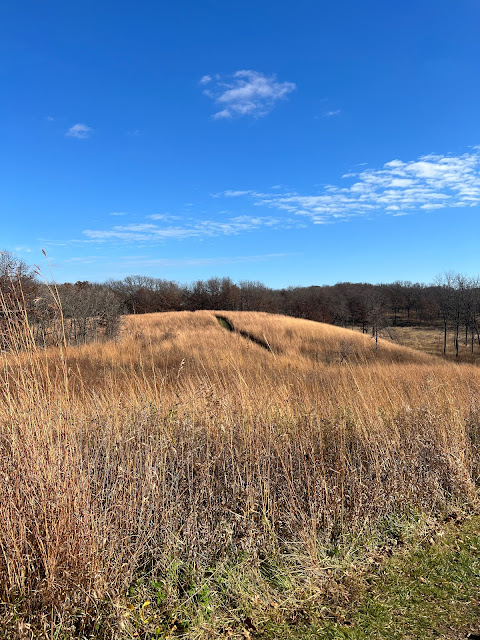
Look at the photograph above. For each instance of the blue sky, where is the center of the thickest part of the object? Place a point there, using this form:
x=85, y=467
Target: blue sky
x=289, y=142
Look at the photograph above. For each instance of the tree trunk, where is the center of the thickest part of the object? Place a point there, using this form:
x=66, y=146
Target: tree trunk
x=457, y=330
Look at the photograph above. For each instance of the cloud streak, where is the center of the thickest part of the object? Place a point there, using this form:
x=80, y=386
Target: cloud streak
x=245, y=93
x=200, y=262
x=191, y=228
x=398, y=188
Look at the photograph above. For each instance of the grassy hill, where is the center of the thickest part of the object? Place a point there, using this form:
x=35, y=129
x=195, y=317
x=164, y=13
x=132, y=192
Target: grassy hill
x=211, y=474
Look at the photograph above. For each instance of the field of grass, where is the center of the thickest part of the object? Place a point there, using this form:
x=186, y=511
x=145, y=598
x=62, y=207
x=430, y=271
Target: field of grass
x=429, y=339
x=192, y=481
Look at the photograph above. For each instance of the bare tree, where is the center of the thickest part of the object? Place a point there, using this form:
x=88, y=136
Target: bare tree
x=18, y=281
x=376, y=307
x=92, y=311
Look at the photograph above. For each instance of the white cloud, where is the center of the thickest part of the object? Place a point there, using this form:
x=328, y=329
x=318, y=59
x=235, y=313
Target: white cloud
x=119, y=213
x=191, y=228
x=246, y=93
x=330, y=114
x=205, y=79
x=429, y=183
x=80, y=131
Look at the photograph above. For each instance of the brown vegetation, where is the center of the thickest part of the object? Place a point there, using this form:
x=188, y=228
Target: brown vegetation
x=430, y=340
x=189, y=458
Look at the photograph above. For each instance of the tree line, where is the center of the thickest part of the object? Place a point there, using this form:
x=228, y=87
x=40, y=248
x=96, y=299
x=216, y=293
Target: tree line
x=53, y=314
x=90, y=310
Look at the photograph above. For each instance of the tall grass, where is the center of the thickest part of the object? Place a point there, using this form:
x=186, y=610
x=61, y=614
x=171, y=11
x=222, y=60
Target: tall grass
x=165, y=458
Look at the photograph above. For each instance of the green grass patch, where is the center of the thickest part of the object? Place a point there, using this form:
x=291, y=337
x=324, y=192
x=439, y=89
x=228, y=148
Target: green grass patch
x=432, y=591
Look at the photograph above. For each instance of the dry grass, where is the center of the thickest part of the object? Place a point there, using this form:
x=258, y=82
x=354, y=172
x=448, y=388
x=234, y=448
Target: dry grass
x=320, y=343
x=430, y=340
x=190, y=461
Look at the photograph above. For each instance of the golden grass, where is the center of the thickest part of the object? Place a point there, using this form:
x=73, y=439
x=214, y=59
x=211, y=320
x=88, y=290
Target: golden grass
x=430, y=340
x=320, y=343
x=185, y=443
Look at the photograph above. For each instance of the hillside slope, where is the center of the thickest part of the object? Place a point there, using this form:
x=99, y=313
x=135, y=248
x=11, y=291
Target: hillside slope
x=319, y=342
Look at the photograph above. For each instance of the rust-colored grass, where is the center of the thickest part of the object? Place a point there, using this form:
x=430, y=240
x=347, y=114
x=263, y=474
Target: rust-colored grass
x=183, y=451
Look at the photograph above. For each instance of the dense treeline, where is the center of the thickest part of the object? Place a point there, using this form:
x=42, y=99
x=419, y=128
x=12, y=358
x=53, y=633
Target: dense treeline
x=91, y=310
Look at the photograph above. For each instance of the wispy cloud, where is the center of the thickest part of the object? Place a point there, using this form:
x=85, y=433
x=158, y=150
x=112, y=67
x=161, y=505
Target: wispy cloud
x=119, y=213
x=245, y=93
x=79, y=130
x=190, y=228
x=165, y=217
x=199, y=262
x=232, y=194
x=431, y=182
x=84, y=259
x=398, y=188
x=330, y=114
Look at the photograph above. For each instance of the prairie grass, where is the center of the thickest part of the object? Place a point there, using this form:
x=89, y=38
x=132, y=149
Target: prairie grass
x=187, y=467
x=294, y=337
x=430, y=340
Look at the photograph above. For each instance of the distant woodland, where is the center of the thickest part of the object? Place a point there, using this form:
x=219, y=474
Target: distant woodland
x=83, y=311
